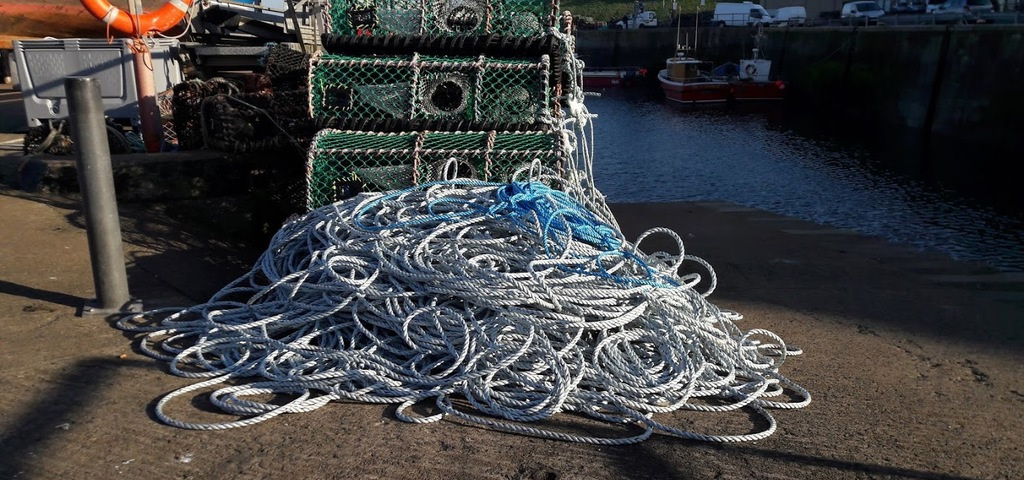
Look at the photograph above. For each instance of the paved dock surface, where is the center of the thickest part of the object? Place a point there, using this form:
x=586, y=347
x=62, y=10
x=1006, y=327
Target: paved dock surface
x=914, y=361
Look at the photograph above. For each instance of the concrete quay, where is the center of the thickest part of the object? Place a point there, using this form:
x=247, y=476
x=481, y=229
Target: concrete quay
x=914, y=361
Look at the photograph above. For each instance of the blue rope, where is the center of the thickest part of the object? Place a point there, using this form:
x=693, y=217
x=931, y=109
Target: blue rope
x=561, y=217
x=557, y=211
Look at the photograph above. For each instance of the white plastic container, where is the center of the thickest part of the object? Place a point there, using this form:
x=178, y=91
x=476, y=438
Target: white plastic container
x=43, y=65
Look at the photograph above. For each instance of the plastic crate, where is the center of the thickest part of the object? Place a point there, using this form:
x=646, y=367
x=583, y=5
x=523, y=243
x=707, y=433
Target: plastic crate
x=44, y=64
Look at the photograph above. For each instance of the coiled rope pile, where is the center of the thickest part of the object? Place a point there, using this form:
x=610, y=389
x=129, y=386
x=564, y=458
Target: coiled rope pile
x=512, y=299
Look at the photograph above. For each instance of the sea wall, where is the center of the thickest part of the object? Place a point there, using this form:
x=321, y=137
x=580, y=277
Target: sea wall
x=961, y=84
x=648, y=48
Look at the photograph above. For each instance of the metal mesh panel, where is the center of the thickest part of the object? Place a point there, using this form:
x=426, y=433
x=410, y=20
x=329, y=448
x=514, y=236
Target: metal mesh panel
x=342, y=163
x=517, y=18
x=415, y=87
x=165, y=102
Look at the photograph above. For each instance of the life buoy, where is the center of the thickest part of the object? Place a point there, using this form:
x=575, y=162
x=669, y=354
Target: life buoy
x=750, y=69
x=160, y=20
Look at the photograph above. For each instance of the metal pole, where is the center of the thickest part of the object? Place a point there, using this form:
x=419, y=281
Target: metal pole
x=99, y=204
x=295, y=24
x=149, y=112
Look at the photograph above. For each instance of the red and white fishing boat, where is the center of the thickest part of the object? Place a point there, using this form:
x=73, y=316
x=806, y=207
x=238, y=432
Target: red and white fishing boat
x=689, y=80
x=686, y=80
x=598, y=78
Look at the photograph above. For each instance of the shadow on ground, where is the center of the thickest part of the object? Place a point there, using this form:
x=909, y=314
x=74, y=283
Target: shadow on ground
x=64, y=405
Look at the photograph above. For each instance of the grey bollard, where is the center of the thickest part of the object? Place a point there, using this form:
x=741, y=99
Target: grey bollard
x=99, y=203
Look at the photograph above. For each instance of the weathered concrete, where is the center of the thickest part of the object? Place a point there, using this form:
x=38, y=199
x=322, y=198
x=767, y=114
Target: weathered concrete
x=914, y=362
x=955, y=81
x=649, y=48
x=137, y=176
x=12, y=110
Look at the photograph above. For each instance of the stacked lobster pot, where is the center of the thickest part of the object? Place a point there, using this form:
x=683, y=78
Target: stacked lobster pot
x=413, y=91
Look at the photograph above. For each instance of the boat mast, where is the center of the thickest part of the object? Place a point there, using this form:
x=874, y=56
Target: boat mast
x=696, y=27
x=757, y=41
x=678, y=24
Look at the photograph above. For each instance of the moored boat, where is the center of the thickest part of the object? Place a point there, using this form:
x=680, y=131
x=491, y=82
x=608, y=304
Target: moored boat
x=595, y=78
x=684, y=81
x=687, y=79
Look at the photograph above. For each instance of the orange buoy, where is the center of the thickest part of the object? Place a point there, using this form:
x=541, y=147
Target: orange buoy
x=161, y=20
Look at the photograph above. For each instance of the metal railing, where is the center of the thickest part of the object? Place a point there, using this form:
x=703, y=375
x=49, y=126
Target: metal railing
x=1008, y=12
x=952, y=18
x=738, y=19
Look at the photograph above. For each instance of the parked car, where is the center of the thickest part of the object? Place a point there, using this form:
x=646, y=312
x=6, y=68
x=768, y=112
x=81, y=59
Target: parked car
x=586, y=23
x=973, y=6
x=862, y=12
x=790, y=16
x=639, y=20
x=957, y=13
x=951, y=17
x=741, y=14
x=908, y=7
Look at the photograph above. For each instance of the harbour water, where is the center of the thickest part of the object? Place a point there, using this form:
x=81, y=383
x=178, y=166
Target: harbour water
x=646, y=150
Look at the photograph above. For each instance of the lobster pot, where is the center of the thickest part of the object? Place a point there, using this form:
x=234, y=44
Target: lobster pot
x=287, y=68
x=342, y=163
x=255, y=122
x=517, y=18
x=432, y=89
x=186, y=101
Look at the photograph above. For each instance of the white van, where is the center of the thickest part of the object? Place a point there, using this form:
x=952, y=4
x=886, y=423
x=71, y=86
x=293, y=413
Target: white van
x=790, y=16
x=741, y=14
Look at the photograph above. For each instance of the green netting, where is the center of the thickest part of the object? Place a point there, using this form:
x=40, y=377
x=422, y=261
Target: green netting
x=415, y=87
x=517, y=18
x=341, y=162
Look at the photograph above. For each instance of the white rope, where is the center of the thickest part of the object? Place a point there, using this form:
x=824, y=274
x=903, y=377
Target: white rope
x=180, y=5
x=578, y=127
x=111, y=15
x=510, y=300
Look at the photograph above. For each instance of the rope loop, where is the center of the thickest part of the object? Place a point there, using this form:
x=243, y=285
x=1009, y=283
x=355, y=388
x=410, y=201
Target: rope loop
x=503, y=304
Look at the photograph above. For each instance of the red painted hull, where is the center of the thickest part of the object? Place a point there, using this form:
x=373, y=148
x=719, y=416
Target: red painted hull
x=612, y=78
x=758, y=90
x=720, y=91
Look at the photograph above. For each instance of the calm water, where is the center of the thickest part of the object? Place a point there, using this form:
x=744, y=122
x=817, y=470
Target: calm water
x=650, y=151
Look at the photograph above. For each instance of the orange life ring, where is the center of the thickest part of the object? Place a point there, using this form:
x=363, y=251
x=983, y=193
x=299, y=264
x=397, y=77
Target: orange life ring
x=161, y=20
